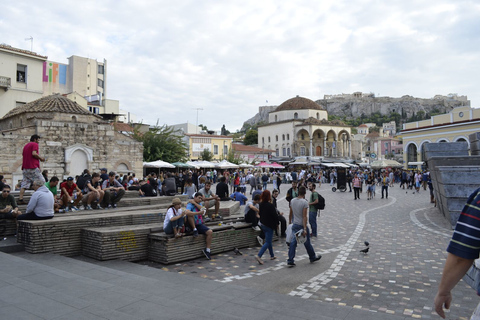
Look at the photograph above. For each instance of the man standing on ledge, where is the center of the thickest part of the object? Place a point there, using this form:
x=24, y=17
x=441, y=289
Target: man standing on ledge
x=298, y=216
x=30, y=166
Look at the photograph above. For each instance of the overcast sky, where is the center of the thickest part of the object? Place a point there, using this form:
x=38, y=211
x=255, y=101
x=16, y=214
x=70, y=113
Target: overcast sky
x=167, y=58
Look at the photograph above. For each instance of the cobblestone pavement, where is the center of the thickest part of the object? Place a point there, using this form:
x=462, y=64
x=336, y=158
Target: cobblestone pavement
x=399, y=276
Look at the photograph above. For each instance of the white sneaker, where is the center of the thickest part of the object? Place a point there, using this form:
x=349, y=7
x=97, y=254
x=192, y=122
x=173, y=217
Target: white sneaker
x=256, y=228
x=88, y=207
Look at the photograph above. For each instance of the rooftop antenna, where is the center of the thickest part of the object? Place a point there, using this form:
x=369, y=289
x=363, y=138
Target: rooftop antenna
x=196, y=127
x=31, y=42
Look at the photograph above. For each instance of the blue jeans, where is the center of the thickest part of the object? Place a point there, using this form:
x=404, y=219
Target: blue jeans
x=174, y=224
x=264, y=185
x=268, y=241
x=312, y=219
x=293, y=244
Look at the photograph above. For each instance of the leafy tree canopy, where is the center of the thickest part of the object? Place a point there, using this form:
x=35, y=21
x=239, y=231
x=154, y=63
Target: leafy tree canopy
x=206, y=155
x=162, y=143
x=251, y=137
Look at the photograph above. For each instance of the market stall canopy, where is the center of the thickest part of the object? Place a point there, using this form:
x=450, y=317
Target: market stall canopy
x=182, y=165
x=385, y=164
x=244, y=165
x=264, y=164
x=277, y=166
x=201, y=164
x=158, y=164
x=224, y=164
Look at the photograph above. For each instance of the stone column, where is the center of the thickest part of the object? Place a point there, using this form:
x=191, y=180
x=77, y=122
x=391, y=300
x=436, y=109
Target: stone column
x=350, y=148
x=334, y=149
x=311, y=146
x=324, y=146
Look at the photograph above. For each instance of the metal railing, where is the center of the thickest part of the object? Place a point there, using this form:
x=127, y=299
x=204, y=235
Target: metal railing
x=5, y=82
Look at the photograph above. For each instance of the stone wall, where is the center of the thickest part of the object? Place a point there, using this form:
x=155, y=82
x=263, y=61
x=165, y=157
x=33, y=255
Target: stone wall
x=62, y=135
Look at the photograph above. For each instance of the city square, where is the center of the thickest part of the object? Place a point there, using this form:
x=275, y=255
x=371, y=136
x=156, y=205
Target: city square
x=396, y=279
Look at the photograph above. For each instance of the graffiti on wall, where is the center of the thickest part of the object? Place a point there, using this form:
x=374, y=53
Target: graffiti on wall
x=54, y=72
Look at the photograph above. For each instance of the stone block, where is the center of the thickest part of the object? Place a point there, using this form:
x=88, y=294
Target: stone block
x=446, y=149
x=437, y=161
x=474, y=137
x=475, y=146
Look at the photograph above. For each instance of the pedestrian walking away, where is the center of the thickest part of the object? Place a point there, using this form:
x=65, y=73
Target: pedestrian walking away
x=298, y=217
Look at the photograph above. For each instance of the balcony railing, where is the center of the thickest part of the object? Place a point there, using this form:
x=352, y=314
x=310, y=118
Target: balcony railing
x=5, y=82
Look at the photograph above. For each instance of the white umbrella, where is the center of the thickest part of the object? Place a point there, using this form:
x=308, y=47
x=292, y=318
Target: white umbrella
x=224, y=164
x=158, y=164
x=244, y=165
x=201, y=164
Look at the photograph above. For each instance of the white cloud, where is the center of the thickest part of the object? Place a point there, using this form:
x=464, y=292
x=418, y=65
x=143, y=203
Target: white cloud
x=167, y=58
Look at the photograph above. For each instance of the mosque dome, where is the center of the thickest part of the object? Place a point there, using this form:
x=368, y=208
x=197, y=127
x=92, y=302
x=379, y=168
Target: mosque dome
x=299, y=103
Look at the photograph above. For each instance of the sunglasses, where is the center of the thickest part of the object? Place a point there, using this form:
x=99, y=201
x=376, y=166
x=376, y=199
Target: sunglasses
x=5, y=191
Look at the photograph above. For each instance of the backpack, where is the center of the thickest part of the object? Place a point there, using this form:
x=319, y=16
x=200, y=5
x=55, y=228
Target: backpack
x=82, y=181
x=320, y=205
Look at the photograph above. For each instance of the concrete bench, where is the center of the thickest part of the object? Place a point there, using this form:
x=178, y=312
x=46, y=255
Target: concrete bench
x=8, y=227
x=125, y=242
x=62, y=234
x=167, y=250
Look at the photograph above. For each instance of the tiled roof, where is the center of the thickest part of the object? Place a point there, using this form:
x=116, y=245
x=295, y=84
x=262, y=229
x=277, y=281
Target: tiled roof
x=363, y=126
x=120, y=126
x=298, y=103
x=244, y=148
x=373, y=134
x=53, y=103
x=10, y=48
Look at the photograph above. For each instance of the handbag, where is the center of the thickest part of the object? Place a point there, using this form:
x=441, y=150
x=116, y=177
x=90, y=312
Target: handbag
x=289, y=234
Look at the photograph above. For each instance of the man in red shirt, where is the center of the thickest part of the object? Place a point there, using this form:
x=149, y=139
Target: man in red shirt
x=30, y=165
x=68, y=199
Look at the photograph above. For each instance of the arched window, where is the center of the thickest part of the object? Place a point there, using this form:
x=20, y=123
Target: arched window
x=303, y=136
x=412, y=153
x=276, y=138
x=319, y=135
x=318, y=116
x=295, y=115
x=283, y=137
x=268, y=139
x=263, y=140
x=302, y=150
x=276, y=119
x=288, y=152
x=288, y=136
x=74, y=118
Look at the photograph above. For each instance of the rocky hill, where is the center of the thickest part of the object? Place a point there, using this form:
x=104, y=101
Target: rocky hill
x=354, y=105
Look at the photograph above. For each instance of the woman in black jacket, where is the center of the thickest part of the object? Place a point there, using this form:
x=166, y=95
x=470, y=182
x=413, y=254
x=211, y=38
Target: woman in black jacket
x=269, y=221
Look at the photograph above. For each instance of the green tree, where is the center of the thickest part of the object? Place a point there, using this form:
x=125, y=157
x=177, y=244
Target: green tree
x=251, y=137
x=162, y=143
x=206, y=155
x=233, y=157
x=204, y=128
x=373, y=129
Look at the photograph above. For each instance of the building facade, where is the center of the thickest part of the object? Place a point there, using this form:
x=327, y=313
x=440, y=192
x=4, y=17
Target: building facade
x=73, y=139
x=252, y=154
x=450, y=127
x=85, y=76
x=216, y=144
x=20, y=77
x=300, y=127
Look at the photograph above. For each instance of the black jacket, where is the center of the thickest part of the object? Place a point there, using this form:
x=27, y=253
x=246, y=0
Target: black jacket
x=268, y=215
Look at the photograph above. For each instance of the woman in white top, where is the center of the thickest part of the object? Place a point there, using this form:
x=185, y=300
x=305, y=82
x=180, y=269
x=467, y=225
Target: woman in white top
x=174, y=218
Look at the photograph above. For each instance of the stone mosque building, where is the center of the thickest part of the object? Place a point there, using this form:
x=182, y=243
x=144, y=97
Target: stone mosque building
x=300, y=127
x=72, y=139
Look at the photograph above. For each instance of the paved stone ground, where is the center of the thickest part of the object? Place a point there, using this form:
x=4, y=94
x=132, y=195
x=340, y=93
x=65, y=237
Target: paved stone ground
x=399, y=276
